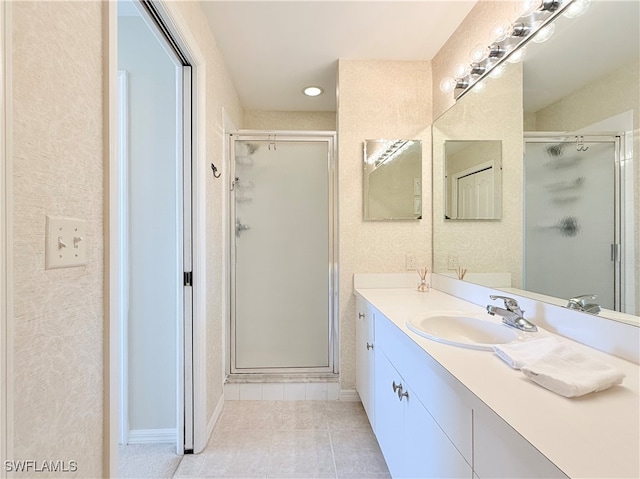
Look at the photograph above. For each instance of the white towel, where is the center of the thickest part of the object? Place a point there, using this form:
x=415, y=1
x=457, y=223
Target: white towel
x=560, y=367
x=518, y=353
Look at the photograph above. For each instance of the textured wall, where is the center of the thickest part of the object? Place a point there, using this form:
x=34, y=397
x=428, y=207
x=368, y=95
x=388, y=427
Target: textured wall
x=378, y=99
x=220, y=94
x=58, y=170
x=290, y=120
x=492, y=114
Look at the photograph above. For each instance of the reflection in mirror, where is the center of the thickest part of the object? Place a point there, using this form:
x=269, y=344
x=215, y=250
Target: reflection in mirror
x=392, y=180
x=473, y=179
x=578, y=205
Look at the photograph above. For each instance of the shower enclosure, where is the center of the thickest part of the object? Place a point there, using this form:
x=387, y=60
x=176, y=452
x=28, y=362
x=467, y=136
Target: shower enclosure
x=574, y=225
x=283, y=265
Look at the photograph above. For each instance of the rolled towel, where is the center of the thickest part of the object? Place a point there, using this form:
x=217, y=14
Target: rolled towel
x=571, y=373
x=559, y=366
x=519, y=353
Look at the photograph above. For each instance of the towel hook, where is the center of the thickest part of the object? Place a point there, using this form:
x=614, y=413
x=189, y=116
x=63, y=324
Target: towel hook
x=215, y=171
x=580, y=144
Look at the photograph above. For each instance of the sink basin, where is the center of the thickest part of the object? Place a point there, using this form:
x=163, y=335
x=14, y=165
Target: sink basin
x=459, y=329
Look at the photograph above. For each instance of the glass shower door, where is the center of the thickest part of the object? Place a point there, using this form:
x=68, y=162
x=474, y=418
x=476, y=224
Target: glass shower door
x=570, y=239
x=282, y=256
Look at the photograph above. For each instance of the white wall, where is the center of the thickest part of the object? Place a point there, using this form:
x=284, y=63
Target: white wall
x=153, y=250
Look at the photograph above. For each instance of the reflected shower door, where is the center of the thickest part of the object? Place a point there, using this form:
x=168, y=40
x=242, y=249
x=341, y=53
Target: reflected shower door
x=570, y=218
x=282, y=255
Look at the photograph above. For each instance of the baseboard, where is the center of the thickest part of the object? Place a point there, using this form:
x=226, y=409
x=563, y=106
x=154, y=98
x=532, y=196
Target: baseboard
x=349, y=395
x=152, y=436
x=214, y=417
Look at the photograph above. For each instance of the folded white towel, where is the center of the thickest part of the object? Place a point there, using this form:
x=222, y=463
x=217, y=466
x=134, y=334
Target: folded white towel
x=519, y=353
x=560, y=367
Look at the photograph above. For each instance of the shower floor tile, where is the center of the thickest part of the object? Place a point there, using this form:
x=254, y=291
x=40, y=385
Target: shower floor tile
x=289, y=439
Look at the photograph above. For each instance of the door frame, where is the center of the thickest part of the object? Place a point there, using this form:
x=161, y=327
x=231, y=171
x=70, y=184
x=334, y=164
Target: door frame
x=177, y=26
x=274, y=136
x=6, y=267
x=618, y=139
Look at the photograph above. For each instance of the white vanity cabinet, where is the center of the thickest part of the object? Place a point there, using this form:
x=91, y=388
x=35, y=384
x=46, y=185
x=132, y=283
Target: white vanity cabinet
x=412, y=442
x=365, y=356
x=428, y=424
x=500, y=452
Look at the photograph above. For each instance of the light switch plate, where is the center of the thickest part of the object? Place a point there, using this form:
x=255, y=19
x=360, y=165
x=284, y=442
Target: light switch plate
x=66, y=242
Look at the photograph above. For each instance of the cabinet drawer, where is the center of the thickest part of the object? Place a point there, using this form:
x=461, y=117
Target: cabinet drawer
x=441, y=394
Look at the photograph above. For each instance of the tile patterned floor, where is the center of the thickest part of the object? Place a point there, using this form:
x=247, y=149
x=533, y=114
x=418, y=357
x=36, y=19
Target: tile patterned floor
x=289, y=439
x=147, y=461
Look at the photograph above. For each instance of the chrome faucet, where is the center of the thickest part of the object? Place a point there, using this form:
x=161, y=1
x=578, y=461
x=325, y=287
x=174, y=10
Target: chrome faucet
x=511, y=316
x=579, y=303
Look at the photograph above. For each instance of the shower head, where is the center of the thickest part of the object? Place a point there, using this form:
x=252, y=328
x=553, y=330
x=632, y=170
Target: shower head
x=555, y=151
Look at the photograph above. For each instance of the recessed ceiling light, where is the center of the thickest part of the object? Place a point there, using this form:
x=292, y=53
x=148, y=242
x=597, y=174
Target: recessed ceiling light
x=313, y=91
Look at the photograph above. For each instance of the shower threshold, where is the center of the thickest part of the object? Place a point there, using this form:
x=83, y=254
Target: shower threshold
x=284, y=377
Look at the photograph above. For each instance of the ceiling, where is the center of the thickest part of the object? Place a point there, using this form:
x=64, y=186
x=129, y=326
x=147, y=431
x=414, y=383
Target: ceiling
x=274, y=49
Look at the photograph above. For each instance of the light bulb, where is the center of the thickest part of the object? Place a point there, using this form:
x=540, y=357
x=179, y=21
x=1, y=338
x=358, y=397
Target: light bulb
x=544, y=33
x=517, y=55
x=479, y=87
x=577, y=8
x=461, y=70
x=500, y=31
x=498, y=71
x=448, y=84
x=479, y=53
x=529, y=7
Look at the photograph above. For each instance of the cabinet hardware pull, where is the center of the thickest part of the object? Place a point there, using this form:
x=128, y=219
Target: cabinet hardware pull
x=360, y=315
x=402, y=394
x=396, y=387
x=369, y=346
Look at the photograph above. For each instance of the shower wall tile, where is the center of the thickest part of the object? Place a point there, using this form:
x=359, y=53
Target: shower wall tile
x=316, y=391
x=333, y=391
x=232, y=392
x=273, y=391
x=294, y=391
x=250, y=391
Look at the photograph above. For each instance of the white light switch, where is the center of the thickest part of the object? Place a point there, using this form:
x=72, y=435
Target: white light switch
x=65, y=243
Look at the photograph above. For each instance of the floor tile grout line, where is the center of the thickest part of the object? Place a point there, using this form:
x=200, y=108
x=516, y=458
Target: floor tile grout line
x=333, y=455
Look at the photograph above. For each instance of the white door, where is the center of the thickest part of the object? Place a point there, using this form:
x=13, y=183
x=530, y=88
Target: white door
x=476, y=195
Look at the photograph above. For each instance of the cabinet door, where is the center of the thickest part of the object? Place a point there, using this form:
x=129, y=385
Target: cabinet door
x=428, y=451
x=365, y=358
x=500, y=452
x=389, y=414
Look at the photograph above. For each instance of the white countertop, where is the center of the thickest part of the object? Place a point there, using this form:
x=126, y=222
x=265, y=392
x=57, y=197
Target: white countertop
x=596, y=435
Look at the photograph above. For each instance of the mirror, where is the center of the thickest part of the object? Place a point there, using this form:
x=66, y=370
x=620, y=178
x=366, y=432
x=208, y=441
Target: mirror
x=392, y=179
x=472, y=179
x=577, y=112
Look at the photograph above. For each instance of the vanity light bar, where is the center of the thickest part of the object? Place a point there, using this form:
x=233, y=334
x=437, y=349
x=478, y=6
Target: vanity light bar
x=537, y=16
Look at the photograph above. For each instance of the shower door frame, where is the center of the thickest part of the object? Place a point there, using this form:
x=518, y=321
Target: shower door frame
x=618, y=139
x=275, y=136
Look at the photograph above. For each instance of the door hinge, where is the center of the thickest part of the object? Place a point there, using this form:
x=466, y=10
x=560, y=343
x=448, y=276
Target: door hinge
x=188, y=278
x=615, y=252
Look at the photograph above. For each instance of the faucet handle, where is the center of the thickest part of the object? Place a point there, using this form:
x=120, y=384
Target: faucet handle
x=580, y=301
x=509, y=303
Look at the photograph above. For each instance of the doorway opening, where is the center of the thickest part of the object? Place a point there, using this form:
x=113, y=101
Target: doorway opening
x=155, y=232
